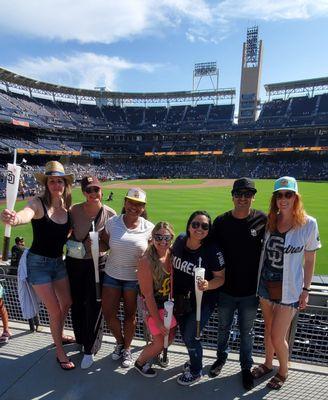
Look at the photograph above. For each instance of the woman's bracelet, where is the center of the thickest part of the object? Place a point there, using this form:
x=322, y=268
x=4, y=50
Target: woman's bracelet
x=306, y=289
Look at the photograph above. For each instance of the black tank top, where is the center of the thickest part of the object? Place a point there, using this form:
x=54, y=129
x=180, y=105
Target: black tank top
x=48, y=236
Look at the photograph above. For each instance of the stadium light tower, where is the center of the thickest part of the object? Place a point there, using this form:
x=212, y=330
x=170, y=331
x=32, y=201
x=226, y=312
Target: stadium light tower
x=102, y=101
x=250, y=77
x=203, y=70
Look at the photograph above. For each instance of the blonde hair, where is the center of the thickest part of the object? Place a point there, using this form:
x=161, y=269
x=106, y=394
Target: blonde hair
x=299, y=213
x=158, y=270
x=67, y=195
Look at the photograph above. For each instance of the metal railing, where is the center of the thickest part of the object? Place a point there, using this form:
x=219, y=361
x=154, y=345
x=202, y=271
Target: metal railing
x=308, y=334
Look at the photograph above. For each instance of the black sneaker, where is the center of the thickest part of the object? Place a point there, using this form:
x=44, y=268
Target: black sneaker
x=145, y=370
x=248, y=379
x=216, y=368
x=187, y=378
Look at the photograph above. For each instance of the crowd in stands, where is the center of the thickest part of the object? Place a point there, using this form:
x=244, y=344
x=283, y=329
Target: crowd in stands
x=228, y=167
x=46, y=113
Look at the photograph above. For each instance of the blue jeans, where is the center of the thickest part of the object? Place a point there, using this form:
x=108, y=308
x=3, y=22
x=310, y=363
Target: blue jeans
x=109, y=281
x=41, y=269
x=247, y=308
x=187, y=325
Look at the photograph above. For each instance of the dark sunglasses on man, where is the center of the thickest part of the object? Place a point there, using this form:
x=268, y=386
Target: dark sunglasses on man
x=239, y=194
x=204, y=225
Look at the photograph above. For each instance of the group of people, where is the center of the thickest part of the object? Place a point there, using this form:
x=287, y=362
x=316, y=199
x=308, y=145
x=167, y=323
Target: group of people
x=248, y=257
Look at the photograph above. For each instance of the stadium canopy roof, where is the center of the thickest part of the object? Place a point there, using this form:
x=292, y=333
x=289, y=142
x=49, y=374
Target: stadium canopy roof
x=10, y=79
x=308, y=86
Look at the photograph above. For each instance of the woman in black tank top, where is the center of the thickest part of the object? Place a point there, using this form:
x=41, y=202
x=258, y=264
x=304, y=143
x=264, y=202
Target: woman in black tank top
x=46, y=270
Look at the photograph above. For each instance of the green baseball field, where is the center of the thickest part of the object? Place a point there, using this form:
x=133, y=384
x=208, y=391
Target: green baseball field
x=175, y=200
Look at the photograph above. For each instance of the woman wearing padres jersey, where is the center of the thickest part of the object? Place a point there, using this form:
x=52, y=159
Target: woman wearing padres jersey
x=285, y=273
x=154, y=277
x=190, y=251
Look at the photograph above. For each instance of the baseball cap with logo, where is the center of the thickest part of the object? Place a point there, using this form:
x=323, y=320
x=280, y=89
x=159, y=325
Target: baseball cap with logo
x=89, y=181
x=136, y=194
x=243, y=184
x=19, y=239
x=286, y=183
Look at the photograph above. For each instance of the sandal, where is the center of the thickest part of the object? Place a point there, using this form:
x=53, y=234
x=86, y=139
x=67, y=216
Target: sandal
x=276, y=382
x=66, y=365
x=5, y=337
x=67, y=339
x=260, y=371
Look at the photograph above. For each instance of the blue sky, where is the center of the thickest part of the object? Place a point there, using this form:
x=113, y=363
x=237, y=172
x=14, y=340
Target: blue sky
x=152, y=45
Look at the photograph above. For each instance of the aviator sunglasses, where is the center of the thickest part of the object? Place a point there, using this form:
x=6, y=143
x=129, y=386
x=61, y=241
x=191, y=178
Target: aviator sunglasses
x=92, y=189
x=159, y=238
x=287, y=195
x=204, y=225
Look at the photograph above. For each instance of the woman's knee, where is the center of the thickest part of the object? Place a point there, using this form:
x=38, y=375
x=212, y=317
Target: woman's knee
x=130, y=318
x=66, y=305
x=55, y=313
x=278, y=339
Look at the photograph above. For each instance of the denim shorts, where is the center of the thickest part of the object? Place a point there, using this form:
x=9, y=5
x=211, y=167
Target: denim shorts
x=41, y=269
x=264, y=294
x=119, y=283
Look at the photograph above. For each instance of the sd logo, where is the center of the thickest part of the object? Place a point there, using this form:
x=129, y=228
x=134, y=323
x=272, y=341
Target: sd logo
x=10, y=178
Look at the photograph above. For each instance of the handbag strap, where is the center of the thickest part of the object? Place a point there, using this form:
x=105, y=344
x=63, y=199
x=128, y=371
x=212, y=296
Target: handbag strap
x=95, y=222
x=171, y=280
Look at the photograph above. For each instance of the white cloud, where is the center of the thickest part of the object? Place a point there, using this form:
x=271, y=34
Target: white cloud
x=272, y=9
x=83, y=70
x=103, y=21
x=108, y=21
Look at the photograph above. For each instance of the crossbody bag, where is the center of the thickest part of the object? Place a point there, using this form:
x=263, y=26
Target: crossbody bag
x=76, y=249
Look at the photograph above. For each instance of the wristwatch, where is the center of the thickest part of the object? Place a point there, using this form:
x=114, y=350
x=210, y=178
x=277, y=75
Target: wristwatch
x=306, y=289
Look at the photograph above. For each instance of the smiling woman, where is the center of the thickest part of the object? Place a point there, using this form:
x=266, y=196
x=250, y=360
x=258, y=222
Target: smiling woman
x=46, y=270
x=86, y=311
x=129, y=234
x=285, y=273
x=191, y=251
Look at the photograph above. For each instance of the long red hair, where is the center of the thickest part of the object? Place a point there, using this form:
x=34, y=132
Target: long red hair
x=299, y=214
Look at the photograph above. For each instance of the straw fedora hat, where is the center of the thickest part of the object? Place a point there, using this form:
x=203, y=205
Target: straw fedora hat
x=53, y=168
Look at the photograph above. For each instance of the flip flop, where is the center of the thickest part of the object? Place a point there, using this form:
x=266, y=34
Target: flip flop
x=5, y=337
x=260, y=371
x=276, y=382
x=66, y=365
x=68, y=340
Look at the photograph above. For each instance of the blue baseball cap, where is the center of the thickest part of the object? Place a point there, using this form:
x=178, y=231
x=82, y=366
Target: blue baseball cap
x=286, y=183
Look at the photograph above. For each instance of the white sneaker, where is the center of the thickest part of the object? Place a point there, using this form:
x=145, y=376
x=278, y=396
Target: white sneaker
x=118, y=352
x=87, y=361
x=127, y=359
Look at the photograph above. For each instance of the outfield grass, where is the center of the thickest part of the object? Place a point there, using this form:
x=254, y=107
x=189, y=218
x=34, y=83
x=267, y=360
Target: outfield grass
x=164, y=182
x=175, y=206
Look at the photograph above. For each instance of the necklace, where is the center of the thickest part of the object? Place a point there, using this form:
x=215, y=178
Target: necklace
x=90, y=213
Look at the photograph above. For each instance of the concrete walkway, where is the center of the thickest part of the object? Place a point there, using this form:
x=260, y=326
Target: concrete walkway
x=28, y=370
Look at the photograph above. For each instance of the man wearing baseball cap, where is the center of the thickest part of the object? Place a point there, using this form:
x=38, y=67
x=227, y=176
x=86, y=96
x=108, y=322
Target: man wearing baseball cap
x=240, y=233
x=16, y=252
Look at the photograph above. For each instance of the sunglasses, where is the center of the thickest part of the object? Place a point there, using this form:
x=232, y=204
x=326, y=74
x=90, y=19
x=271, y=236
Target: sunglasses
x=160, y=238
x=239, y=195
x=287, y=195
x=204, y=225
x=92, y=190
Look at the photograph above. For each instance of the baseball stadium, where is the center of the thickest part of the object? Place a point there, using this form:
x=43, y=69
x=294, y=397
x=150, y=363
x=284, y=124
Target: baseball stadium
x=185, y=149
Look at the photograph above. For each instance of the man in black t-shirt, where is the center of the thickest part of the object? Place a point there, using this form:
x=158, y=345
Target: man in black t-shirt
x=239, y=233
x=16, y=252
